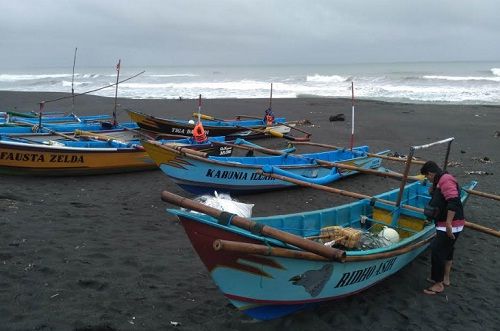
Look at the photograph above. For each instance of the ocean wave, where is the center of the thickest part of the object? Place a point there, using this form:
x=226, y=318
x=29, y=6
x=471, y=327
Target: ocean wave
x=462, y=78
x=87, y=76
x=173, y=75
x=327, y=79
x=21, y=77
x=477, y=85
x=66, y=83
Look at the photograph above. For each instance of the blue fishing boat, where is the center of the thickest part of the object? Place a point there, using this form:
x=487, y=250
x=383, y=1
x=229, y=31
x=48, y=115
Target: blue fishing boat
x=272, y=266
x=204, y=174
x=10, y=118
x=64, y=127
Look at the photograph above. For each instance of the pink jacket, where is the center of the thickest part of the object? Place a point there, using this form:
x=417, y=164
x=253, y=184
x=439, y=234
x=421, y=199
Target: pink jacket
x=448, y=186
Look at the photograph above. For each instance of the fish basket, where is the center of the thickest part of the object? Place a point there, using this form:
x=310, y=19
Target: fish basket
x=347, y=237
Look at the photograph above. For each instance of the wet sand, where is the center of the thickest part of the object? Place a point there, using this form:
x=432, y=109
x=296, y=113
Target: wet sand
x=101, y=253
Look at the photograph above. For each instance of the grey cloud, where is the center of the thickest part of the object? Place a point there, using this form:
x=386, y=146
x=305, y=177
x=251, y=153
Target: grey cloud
x=155, y=32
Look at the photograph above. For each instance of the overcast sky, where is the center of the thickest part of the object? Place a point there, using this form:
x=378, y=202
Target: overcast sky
x=44, y=33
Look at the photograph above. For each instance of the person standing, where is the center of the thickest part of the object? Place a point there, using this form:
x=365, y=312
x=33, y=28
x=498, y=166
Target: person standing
x=449, y=220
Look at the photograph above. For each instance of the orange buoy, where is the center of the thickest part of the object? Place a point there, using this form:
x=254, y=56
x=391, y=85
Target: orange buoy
x=199, y=134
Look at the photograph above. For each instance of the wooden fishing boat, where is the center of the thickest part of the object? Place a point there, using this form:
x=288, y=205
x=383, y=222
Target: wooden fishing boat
x=232, y=129
x=267, y=269
x=10, y=118
x=198, y=173
x=84, y=154
x=34, y=127
x=272, y=266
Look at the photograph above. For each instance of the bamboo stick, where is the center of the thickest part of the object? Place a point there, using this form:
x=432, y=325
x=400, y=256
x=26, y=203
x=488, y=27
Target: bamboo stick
x=60, y=134
x=483, y=194
x=474, y=192
x=393, y=174
x=355, y=195
x=327, y=164
x=285, y=124
x=335, y=190
x=94, y=135
x=265, y=230
x=181, y=149
x=391, y=158
x=247, y=248
x=483, y=229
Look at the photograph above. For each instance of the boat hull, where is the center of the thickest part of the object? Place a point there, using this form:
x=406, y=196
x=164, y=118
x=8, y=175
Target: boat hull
x=30, y=159
x=66, y=127
x=53, y=158
x=199, y=176
x=267, y=286
x=212, y=128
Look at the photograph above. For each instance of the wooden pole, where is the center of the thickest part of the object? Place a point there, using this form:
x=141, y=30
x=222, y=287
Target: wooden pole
x=60, y=134
x=405, y=176
x=199, y=109
x=40, y=111
x=247, y=248
x=72, y=83
x=335, y=190
x=471, y=225
x=483, y=194
x=180, y=149
x=390, y=158
x=394, y=174
x=483, y=229
x=115, y=122
x=284, y=124
x=352, y=115
x=271, y=97
x=264, y=230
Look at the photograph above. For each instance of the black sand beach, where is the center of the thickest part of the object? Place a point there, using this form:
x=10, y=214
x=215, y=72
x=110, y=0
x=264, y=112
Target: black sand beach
x=101, y=253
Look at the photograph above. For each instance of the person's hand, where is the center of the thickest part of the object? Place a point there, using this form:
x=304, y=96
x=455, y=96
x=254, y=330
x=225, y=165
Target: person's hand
x=449, y=232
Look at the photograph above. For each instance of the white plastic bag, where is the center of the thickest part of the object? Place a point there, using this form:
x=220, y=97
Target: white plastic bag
x=224, y=202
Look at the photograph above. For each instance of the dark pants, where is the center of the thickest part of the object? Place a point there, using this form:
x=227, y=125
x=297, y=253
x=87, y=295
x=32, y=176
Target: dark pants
x=442, y=251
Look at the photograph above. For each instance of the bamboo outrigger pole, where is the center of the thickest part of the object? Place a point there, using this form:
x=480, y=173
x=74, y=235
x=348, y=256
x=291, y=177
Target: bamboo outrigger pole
x=396, y=175
x=391, y=158
x=265, y=230
x=355, y=195
x=242, y=247
x=326, y=164
x=284, y=124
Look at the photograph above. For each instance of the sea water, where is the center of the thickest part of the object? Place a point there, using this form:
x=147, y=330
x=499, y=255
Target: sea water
x=426, y=82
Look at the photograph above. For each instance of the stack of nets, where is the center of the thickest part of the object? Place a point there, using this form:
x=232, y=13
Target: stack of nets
x=337, y=235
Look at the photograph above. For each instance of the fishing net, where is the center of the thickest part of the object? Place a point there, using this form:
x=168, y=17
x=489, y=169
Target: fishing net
x=355, y=239
x=338, y=235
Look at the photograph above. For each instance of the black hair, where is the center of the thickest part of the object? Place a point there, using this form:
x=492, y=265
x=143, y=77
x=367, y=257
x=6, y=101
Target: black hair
x=430, y=166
